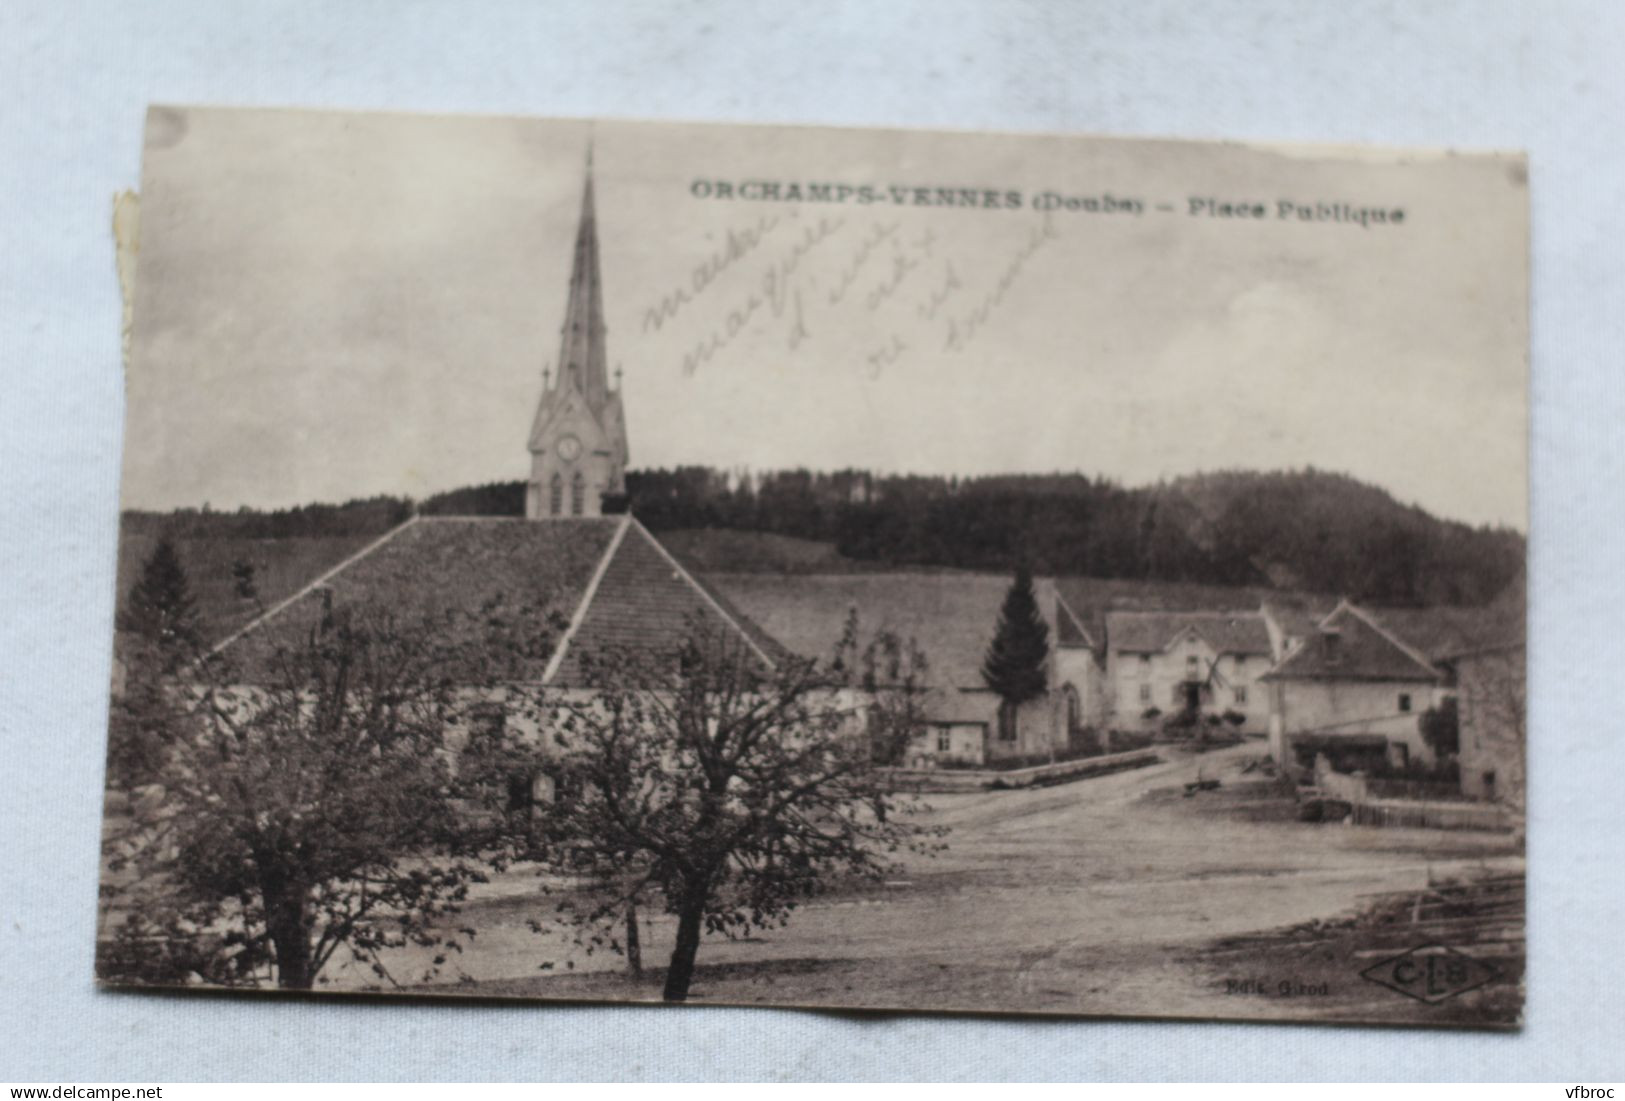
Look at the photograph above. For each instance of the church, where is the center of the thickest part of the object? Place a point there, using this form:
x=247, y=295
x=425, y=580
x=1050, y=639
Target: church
x=578, y=449
x=582, y=568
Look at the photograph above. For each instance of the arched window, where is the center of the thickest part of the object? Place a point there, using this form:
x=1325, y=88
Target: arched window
x=578, y=494
x=1074, y=710
x=555, y=498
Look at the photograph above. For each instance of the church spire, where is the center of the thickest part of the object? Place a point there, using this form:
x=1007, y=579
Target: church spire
x=577, y=442
x=581, y=346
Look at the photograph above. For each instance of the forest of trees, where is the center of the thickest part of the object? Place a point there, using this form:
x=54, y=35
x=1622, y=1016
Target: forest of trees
x=363, y=516
x=1306, y=530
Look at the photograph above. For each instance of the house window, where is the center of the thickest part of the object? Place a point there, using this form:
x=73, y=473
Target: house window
x=1177, y=694
x=1241, y=663
x=1074, y=710
x=578, y=494
x=555, y=496
x=1240, y=695
x=1404, y=701
x=1145, y=662
x=1007, y=722
x=1145, y=693
x=945, y=740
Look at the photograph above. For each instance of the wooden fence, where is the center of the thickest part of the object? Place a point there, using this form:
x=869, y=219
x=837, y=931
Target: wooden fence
x=934, y=779
x=1370, y=809
x=1438, y=816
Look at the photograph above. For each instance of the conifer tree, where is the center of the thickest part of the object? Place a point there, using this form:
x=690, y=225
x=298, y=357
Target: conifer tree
x=158, y=635
x=161, y=610
x=1015, y=662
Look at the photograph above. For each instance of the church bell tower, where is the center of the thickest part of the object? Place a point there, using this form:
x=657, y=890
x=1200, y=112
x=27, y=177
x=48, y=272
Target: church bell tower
x=577, y=445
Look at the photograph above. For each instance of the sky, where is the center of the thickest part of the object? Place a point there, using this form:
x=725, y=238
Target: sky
x=336, y=305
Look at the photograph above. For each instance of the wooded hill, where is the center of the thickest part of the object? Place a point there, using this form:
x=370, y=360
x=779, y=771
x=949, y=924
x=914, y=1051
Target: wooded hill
x=1300, y=530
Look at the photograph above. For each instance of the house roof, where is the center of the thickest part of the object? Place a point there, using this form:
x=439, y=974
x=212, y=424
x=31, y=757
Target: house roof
x=959, y=705
x=1092, y=599
x=1153, y=632
x=1364, y=650
x=584, y=583
x=951, y=616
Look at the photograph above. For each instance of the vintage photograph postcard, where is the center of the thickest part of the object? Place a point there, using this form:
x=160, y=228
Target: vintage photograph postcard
x=630, y=562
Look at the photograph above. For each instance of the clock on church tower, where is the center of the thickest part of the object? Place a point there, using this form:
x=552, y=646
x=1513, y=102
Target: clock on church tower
x=578, y=449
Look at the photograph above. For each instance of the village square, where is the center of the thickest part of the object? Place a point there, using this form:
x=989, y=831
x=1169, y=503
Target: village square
x=1126, y=798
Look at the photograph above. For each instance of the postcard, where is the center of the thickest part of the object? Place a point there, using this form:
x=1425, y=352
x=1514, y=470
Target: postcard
x=637, y=562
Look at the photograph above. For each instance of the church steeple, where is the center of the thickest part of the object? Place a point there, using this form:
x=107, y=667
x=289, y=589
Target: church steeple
x=578, y=439
x=581, y=347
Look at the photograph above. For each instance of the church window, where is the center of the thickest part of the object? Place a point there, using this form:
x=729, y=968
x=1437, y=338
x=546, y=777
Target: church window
x=555, y=501
x=578, y=494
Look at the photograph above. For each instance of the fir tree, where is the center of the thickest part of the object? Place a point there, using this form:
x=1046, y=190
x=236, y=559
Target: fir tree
x=158, y=635
x=161, y=610
x=1015, y=662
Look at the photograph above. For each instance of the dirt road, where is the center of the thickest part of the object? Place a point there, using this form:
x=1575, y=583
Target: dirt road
x=1091, y=897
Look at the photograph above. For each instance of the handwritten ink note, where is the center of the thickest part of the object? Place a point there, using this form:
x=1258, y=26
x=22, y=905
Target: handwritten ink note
x=893, y=285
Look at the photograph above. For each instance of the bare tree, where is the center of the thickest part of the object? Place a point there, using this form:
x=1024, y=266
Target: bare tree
x=731, y=788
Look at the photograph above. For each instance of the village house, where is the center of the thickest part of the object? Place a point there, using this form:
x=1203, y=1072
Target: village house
x=1352, y=690
x=1203, y=664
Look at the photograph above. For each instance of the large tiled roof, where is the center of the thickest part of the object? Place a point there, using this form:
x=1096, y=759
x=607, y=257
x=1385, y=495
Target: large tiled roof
x=1153, y=632
x=646, y=601
x=558, y=588
x=1350, y=644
